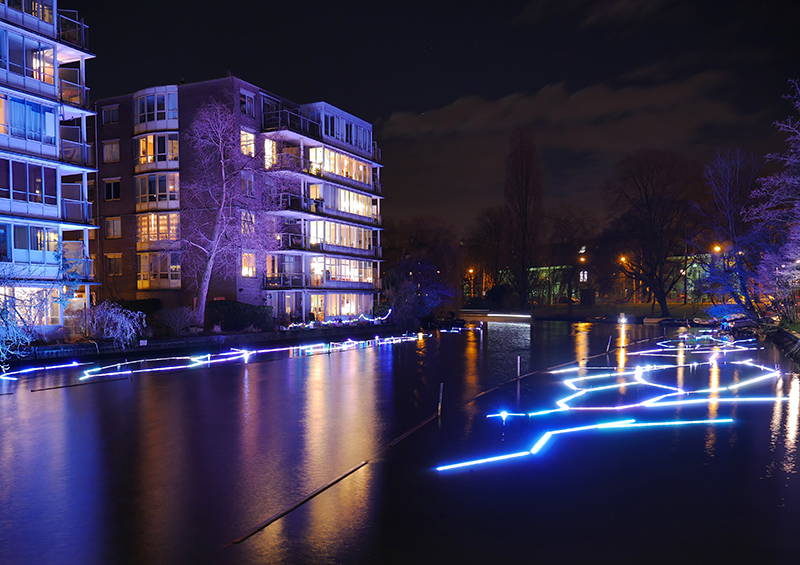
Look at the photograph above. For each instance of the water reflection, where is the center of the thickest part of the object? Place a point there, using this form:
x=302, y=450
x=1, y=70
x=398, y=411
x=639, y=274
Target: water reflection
x=713, y=404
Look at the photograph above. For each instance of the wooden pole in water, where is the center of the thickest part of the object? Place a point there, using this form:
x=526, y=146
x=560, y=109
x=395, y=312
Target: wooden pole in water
x=608, y=347
x=441, y=390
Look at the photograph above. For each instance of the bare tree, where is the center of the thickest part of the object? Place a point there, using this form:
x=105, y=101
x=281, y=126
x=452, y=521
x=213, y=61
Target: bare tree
x=523, y=192
x=736, y=243
x=487, y=244
x=226, y=202
x=650, y=195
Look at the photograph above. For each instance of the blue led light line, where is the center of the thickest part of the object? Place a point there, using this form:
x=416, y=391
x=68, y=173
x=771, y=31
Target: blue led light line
x=190, y=362
x=620, y=424
x=8, y=377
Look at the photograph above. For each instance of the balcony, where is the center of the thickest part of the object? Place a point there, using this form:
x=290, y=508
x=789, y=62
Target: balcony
x=285, y=280
x=293, y=163
x=77, y=268
x=295, y=203
x=76, y=211
x=292, y=121
x=376, y=152
x=70, y=90
x=289, y=241
x=71, y=29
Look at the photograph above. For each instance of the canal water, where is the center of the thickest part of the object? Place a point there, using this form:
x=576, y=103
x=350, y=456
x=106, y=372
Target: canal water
x=171, y=465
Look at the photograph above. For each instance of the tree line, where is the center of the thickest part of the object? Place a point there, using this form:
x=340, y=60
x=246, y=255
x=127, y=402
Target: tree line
x=737, y=217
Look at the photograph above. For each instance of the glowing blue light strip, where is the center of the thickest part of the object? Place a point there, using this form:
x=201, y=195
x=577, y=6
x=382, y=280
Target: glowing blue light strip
x=7, y=377
x=482, y=461
x=542, y=440
x=509, y=315
x=620, y=424
x=236, y=355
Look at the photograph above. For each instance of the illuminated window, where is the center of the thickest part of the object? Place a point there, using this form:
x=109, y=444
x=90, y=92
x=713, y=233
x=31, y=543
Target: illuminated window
x=111, y=189
x=248, y=143
x=114, y=264
x=111, y=151
x=157, y=148
x=247, y=184
x=158, y=270
x=162, y=226
x=584, y=276
x=248, y=264
x=270, y=153
x=113, y=228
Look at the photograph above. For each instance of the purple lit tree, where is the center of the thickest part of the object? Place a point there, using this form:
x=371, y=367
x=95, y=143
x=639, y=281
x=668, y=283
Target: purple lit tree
x=778, y=210
x=226, y=202
x=733, y=243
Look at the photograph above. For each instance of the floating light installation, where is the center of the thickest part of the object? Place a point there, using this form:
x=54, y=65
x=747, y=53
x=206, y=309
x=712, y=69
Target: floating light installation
x=583, y=384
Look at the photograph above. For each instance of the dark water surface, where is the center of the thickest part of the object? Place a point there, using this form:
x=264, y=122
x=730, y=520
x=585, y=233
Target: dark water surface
x=169, y=467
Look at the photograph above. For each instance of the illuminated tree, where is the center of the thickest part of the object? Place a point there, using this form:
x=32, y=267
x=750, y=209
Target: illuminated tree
x=778, y=210
x=523, y=192
x=649, y=195
x=225, y=202
x=734, y=243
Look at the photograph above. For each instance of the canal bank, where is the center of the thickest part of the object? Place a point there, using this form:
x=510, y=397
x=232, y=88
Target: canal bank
x=206, y=343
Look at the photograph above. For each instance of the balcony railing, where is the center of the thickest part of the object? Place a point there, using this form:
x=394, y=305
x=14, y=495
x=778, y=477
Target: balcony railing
x=285, y=280
x=299, y=203
x=376, y=152
x=290, y=241
x=78, y=268
x=71, y=29
x=77, y=153
x=285, y=119
x=73, y=93
x=76, y=211
x=294, y=163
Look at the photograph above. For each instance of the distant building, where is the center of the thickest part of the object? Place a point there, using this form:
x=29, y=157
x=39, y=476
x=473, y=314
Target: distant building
x=46, y=161
x=329, y=251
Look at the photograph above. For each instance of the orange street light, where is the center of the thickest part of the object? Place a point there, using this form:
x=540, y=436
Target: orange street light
x=717, y=249
x=622, y=259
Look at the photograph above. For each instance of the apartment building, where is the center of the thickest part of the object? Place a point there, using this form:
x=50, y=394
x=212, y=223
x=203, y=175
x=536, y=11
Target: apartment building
x=46, y=161
x=325, y=260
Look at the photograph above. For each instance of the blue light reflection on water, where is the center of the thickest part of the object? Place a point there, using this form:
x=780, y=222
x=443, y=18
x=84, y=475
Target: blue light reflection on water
x=170, y=467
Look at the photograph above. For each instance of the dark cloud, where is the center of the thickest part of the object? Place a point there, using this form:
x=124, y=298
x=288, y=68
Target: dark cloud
x=458, y=152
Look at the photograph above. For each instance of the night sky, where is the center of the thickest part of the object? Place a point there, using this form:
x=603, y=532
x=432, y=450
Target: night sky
x=445, y=83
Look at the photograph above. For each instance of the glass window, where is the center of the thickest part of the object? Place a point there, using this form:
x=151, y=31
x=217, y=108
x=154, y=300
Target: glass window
x=3, y=112
x=5, y=241
x=111, y=151
x=270, y=153
x=113, y=228
x=172, y=106
x=16, y=54
x=35, y=184
x=248, y=223
x=248, y=264
x=5, y=179
x=111, y=115
x=248, y=143
x=111, y=189
x=50, y=186
x=114, y=264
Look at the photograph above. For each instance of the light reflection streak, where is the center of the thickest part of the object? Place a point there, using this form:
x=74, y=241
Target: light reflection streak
x=791, y=426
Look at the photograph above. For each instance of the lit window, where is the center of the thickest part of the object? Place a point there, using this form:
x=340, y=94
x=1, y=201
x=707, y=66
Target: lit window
x=157, y=188
x=111, y=151
x=270, y=153
x=248, y=141
x=584, y=276
x=113, y=227
x=248, y=264
x=158, y=227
